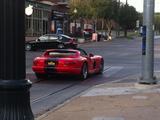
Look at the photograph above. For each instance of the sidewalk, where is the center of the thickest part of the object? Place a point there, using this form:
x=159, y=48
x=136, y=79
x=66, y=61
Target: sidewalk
x=111, y=101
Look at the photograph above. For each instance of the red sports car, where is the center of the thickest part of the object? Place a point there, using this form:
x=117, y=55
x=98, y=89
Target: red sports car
x=67, y=61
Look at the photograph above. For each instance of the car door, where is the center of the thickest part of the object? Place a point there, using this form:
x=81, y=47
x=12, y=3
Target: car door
x=53, y=41
x=92, y=63
x=90, y=60
x=42, y=42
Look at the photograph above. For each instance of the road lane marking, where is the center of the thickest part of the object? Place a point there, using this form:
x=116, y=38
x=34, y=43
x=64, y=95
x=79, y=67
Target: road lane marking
x=112, y=70
x=110, y=91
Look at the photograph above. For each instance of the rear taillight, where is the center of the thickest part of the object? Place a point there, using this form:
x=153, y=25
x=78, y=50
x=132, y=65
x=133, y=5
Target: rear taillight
x=39, y=62
x=66, y=63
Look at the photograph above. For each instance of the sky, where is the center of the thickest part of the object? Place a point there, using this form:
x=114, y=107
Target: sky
x=138, y=4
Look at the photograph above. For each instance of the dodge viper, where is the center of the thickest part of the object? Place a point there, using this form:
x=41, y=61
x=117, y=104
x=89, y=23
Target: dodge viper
x=67, y=61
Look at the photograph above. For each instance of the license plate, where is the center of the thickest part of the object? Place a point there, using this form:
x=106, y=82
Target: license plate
x=51, y=63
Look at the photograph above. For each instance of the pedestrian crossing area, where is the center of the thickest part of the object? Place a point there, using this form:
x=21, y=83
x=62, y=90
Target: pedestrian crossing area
x=111, y=70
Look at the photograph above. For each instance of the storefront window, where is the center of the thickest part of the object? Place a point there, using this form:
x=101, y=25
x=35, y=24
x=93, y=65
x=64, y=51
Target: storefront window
x=38, y=23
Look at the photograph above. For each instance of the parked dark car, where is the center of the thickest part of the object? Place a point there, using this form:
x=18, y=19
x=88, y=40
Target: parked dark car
x=51, y=41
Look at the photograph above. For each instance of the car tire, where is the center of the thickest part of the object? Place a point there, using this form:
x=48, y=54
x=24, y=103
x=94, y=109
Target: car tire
x=84, y=72
x=101, y=67
x=28, y=47
x=41, y=76
x=60, y=46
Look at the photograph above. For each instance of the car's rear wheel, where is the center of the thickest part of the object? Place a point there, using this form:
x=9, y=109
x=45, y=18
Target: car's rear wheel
x=28, y=47
x=101, y=67
x=41, y=76
x=84, y=72
x=61, y=46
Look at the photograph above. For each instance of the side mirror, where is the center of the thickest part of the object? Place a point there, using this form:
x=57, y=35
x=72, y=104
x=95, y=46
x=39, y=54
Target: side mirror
x=91, y=55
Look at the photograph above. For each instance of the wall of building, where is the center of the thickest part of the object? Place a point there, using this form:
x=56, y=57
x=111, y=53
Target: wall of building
x=39, y=22
x=48, y=15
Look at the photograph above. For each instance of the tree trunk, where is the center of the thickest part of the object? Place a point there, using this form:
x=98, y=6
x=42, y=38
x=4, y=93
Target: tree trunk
x=125, y=32
x=109, y=27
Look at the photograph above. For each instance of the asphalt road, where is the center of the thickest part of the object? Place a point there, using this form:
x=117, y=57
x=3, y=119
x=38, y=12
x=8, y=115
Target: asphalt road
x=122, y=64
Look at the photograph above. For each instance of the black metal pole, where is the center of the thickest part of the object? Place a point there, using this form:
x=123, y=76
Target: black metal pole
x=14, y=89
x=75, y=28
x=126, y=2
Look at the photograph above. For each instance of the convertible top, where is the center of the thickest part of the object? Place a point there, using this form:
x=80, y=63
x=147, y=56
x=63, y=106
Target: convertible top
x=61, y=50
x=61, y=53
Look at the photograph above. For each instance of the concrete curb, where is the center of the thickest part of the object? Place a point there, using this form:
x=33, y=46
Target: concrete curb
x=146, y=86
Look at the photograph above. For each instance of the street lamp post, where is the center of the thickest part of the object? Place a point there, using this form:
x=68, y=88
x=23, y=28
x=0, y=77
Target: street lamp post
x=29, y=10
x=14, y=88
x=75, y=24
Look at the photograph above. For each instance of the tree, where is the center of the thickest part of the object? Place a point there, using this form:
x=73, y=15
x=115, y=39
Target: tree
x=127, y=18
x=105, y=10
x=108, y=11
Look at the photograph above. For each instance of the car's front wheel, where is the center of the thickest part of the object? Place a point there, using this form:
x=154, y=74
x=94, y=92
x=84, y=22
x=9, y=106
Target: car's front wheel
x=84, y=72
x=28, y=47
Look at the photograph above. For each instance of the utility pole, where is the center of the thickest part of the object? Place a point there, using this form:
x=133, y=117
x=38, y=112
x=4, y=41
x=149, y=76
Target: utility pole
x=148, y=43
x=14, y=88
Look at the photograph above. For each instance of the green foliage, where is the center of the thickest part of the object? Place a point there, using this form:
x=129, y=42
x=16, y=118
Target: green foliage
x=94, y=8
x=82, y=9
x=110, y=11
x=127, y=17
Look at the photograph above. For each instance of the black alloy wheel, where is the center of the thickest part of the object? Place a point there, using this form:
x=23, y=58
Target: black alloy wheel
x=101, y=67
x=84, y=72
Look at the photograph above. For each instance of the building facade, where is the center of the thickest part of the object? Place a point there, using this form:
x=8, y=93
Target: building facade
x=48, y=16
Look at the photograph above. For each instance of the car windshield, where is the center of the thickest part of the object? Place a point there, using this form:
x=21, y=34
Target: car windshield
x=61, y=53
x=64, y=38
x=43, y=38
x=52, y=37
